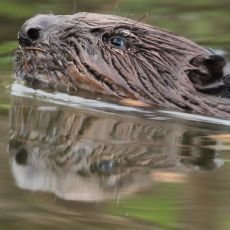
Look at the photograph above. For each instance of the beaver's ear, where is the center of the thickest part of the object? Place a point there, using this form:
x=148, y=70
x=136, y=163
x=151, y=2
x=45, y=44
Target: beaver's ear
x=208, y=72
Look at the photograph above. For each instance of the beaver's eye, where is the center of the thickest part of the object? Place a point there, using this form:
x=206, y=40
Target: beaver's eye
x=118, y=42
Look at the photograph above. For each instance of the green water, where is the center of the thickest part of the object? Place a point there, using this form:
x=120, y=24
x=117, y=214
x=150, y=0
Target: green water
x=81, y=164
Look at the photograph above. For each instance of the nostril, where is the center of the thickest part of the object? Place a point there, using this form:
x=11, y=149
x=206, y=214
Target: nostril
x=33, y=33
x=26, y=38
x=21, y=156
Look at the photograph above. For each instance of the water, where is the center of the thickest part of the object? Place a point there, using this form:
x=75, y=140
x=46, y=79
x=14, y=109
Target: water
x=76, y=163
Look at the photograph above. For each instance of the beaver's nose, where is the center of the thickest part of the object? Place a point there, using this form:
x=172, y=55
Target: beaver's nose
x=26, y=38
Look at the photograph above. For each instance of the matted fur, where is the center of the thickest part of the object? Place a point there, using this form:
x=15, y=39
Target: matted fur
x=156, y=66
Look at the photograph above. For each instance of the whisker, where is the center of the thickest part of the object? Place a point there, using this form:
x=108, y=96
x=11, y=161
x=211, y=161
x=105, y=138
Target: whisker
x=53, y=79
x=35, y=48
x=139, y=20
x=20, y=48
x=116, y=26
x=74, y=6
x=61, y=63
x=89, y=5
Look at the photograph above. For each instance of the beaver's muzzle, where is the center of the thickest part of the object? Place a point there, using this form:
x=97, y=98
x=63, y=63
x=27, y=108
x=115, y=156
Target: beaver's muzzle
x=36, y=29
x=26, y=38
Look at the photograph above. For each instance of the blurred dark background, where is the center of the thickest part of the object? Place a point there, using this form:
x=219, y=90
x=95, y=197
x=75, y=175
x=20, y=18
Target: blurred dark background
x=206, y=21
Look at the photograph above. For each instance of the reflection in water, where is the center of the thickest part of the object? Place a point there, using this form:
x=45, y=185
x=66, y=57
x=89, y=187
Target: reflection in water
x=86, y=155
x=201, y=202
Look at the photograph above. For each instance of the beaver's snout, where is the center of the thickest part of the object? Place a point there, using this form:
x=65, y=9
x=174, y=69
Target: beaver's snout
x=35, y=28
x=27, y=38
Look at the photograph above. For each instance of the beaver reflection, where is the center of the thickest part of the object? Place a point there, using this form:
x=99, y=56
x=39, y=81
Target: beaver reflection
x=79, y=155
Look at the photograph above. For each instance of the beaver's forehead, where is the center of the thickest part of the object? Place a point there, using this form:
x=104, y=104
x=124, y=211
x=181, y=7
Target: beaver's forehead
x=100, y=18
x=48, y=21
x=43, y=21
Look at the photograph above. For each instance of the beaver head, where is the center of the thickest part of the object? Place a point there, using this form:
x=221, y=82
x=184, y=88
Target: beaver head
x=121, y=57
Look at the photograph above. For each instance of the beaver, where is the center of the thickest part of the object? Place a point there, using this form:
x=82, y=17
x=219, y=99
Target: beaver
x=121, y=57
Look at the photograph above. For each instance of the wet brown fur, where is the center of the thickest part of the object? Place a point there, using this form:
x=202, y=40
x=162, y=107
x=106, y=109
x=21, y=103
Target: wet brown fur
x=156, y=66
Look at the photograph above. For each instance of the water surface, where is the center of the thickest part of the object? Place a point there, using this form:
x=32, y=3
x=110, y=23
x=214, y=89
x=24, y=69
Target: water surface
x=77, y=163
